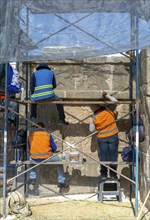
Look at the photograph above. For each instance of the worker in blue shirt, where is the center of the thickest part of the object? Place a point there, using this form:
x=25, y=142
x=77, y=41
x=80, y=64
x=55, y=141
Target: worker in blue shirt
x=42, y=85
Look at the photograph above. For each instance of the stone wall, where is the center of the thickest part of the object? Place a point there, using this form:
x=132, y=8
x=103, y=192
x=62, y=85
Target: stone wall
x=144, y=150
x=83, y=80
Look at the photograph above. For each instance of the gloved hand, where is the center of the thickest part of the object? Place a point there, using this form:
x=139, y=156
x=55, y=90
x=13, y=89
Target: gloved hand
x=104, y=94
x=90, y=120
x=110, y=98
x=91, y=126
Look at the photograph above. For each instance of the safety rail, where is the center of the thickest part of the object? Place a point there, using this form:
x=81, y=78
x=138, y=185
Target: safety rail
x=63, y=162
x=74, y=102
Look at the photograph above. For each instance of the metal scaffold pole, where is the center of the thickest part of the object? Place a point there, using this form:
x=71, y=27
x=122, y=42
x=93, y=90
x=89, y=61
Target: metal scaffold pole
x=5, y=145
x=137, y=118
x=132, y=74
x=137, y=134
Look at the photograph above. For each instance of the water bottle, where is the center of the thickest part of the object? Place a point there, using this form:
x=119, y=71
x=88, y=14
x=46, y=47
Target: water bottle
x=22, y=94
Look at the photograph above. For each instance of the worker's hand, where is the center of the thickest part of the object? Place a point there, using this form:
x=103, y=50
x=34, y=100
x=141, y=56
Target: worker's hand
x=91, y=125
x=104, y=94
x=90, y=120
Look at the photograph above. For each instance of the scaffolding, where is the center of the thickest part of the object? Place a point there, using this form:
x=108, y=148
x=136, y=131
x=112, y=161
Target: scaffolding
x=106, y=164
x=29, y=54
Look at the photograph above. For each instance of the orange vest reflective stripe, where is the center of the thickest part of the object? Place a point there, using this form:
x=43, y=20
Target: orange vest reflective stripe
x=40, y=145
x=103, y=118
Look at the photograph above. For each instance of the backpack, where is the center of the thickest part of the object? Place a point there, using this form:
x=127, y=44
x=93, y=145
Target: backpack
x=131, y=134
x=128, y=154
x=2, y=76
x=21, y=138
x=14, y=82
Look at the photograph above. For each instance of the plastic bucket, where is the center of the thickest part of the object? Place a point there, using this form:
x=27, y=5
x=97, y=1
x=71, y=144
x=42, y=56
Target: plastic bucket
x=74, y=156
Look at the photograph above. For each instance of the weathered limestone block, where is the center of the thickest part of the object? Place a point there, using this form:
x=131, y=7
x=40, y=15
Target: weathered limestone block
x=144, y=188
x=145, y=106
x=147, y=109
x=82, y=81
x=144, y=145
x=80, y=177
x=145, y=65
x=88, y=81
x=145, y=164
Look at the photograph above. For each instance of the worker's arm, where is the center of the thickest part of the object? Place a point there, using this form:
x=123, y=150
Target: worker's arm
x=30, y=138
x=54, y=81
x=91, y=125
x=52, y=144
x=32, y=83
x=110, y=98
x=28, y=144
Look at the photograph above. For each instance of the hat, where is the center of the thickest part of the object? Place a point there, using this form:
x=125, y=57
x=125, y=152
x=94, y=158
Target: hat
x=43, y=66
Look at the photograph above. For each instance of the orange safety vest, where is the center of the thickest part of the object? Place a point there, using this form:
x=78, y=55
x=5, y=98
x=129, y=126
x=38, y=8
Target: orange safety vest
x=2, y=96
x=40, y=145
x=102, y=118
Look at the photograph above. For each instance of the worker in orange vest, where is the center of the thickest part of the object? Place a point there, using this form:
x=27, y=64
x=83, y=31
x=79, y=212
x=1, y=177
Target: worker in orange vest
x=42, y=146
x=103, y=121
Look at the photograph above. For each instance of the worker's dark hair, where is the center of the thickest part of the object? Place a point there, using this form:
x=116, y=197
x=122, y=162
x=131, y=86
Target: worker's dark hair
x=43, y=66
x=41, y=124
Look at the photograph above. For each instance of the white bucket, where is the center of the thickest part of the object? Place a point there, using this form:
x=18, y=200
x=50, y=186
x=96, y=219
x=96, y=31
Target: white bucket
x=74, y=156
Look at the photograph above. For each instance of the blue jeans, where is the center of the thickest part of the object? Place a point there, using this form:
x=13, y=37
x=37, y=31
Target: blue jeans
x=60, y=169
x=108, y=151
